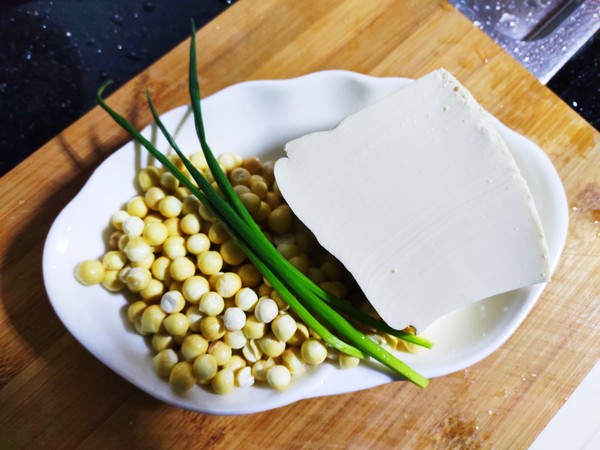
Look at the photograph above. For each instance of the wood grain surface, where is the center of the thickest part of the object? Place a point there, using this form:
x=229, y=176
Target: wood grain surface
x=55, y=394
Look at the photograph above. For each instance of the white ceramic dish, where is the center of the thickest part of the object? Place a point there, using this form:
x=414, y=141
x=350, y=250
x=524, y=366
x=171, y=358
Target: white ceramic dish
x=257, y=118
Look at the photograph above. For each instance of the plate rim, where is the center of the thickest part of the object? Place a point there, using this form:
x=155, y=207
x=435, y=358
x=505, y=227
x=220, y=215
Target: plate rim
x=310, y=390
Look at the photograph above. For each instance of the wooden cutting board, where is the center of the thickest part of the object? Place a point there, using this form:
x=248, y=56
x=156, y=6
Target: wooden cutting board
x=53, y=393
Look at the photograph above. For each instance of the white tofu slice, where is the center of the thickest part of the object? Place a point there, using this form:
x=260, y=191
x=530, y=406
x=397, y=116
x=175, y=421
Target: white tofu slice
x=421, y=200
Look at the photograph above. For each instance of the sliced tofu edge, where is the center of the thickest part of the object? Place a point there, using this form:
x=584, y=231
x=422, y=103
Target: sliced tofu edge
x=304, y=178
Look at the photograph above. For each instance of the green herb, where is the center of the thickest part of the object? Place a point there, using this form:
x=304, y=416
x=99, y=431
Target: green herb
x=320, y=311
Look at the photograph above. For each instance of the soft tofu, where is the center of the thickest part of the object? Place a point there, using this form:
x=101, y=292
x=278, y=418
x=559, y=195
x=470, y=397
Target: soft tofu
x=421, y=200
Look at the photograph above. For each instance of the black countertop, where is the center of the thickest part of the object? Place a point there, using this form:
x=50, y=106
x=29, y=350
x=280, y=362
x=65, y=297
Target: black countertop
x=55, y=54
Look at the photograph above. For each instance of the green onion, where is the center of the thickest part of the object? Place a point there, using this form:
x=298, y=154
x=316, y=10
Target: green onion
x=317, y=308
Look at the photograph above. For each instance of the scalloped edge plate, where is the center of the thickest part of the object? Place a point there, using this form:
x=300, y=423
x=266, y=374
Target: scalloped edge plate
x=258, y=118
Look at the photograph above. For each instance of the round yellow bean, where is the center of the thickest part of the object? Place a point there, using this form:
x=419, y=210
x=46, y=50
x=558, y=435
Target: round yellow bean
x=148, y=177
x=152, y=319
x=210, y=262
x=153, y=196
x=211, y=303
x=212, y=327
x=114, y=260
x=170, y=206
x=194, y=288
x=313, y=351
x=205, y=368
x=137, y=207
x=223, y=382
x=347, y=361
x=232, y=253
x=164, y=361
x=271, y=346
x=135, y=310
x=182, y=268
x=190, y=224
x=228, y=284
x=193, y=345
x=161, y=341
x=197, y=243
x=284, y=327
x=279, y=377
x=154, y=291
x=221, y=351
x=155, y=233
x=176, y=324
x=90, y=272
x=138, y=279
x=182, y=376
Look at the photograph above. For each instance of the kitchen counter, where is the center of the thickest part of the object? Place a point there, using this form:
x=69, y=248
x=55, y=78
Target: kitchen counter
x=54, y=55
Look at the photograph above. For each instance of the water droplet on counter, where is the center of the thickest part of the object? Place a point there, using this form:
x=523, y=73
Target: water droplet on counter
x=509, y=19
x=575, y=208
x=28, y=55
x=575, y=104
x=119, y=47
x=134, y=56
x=148, y=7
x=117, y=19
x=68, y=34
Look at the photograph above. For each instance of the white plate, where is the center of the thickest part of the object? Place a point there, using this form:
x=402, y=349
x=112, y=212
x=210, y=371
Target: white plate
x=257, y=118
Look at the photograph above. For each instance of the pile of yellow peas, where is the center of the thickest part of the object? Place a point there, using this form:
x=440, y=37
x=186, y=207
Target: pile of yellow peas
x=210, y=316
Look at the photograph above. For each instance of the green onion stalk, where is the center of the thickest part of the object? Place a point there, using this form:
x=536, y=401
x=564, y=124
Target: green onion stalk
x=319, y=310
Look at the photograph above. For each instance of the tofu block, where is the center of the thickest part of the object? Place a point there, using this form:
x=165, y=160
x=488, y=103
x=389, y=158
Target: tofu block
x=420, y=198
